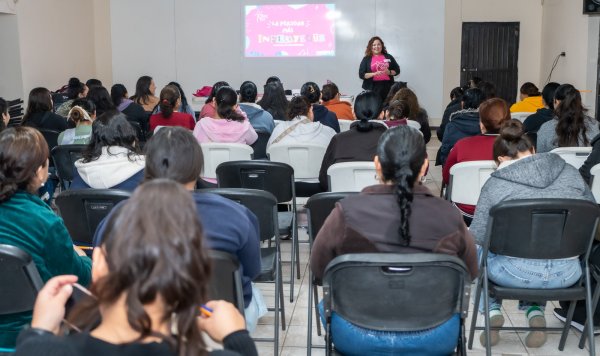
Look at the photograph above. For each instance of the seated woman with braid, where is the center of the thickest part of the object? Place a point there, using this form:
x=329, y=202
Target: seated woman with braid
x=425, y=223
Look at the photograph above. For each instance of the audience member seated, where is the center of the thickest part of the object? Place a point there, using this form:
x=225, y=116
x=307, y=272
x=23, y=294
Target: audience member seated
x=399, y=215
x=592, y=160
x=4, y=113
x=39, y=112
x=393, y=90
x=531, y=99
x=93, y=82
x=82, y=115
x=28, y=222
x=134, y=112
x=454, y=106
x=571, y=127
x=397, y=113
x=101, y=98
x=175, y=154
x=463, y=123
x=150, y=277
x=360, y=142
x=260, y=119
x=519, y=177
x=170, y=100
x=228, y=125
x=330, y=96
x=492, y=114
x=184, y=106
x=274, y=100
x=209, y=107
x=533, y=122
x=417, y=113
x=75, y=90
x=112, y=160
x=488, y=89
x=145, y=90
x=312, y=92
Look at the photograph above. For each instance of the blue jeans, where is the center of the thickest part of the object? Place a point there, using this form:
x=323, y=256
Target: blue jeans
x=255, y=310
x=528, y=273
x=351, y=340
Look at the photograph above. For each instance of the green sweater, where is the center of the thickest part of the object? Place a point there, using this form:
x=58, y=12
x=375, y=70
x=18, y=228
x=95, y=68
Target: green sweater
x=28, y=223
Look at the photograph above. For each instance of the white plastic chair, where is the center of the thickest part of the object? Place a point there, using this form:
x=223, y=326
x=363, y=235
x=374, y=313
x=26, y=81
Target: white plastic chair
x=595, y=172
x=217, y=153
x=157, y=128
x=413, y=123
x=521, y=116
x=305, y=158
x=467, y=179
x=351, y=176
x=345, y=125
x=575, y=156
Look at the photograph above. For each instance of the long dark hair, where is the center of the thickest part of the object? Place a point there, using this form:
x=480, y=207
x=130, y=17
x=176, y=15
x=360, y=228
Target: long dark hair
x=74, y=88
x=22, y=151
x=153, y=248
x=214, y=90
x=401, y=152
x=102, y=99
x=248, y=92
x=174, y=153
x=142, y=90
x=548, y=94
x=184, y=101
x=111, y=129
x=311, y=91
x=168, y=100
x=367, y=107
x=226, y=99
x=274, y=100
x=118, y=92
x=299, y=106
x=39, y=101
x=410, y=97
x=393, y=90
x=511, y=141
x=571, y=117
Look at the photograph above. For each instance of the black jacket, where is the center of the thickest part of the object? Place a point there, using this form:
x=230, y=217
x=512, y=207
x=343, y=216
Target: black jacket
x=326, y=117
x=453, y=107
x=464, y=123
x=592, y=160
x=47, y=120
x=365, y=67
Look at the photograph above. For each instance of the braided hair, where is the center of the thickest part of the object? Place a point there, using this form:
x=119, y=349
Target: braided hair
x=401, y=152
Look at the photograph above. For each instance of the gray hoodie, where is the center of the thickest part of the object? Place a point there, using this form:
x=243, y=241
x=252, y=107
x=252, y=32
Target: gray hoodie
x=544, y=175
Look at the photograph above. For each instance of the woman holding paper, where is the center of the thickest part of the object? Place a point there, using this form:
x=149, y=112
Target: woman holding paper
x=378, y=68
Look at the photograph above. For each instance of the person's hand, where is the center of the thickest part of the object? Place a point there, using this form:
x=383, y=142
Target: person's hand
x=49, y=309
x=225, y=319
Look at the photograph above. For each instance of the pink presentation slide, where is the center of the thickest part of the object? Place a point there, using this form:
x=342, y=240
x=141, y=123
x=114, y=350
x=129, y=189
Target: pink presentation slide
x=306, y=30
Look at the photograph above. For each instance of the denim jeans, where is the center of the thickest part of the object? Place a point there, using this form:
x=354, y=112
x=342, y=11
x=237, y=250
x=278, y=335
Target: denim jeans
x=528, y=273
x=255, y=310
x=353, y=340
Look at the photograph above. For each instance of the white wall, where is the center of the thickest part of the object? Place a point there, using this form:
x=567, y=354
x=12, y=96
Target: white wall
x=566, y=29
x=11, y=85
x=204, y=45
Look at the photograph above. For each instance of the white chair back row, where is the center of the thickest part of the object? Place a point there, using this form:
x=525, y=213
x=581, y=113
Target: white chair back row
x=351, y=176
x=216, y=153
x=305, y=158
x=595, y=173
x=575, y=156
x=521, y=116
x=467, y=179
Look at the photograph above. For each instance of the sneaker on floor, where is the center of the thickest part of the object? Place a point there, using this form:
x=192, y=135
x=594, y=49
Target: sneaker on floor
x=496, y=320
x=561, y=314
x=536, y=338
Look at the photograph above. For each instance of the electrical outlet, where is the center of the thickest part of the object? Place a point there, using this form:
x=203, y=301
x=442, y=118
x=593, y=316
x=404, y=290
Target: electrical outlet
x=563, y=54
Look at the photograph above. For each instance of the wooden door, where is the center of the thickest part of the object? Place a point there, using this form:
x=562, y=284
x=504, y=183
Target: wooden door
x=490, y=51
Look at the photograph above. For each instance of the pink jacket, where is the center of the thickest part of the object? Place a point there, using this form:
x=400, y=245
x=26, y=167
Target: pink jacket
x=226, y=131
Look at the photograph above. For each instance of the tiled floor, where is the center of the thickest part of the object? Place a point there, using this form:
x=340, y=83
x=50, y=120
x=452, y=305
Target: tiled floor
x=293, y=339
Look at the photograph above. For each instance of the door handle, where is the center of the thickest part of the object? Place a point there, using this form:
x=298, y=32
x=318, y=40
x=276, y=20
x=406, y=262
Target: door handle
x=469, y=69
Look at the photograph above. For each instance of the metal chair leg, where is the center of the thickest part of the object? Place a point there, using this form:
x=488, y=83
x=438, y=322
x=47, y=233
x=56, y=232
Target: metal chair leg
x=486, y=309
x=475, y=312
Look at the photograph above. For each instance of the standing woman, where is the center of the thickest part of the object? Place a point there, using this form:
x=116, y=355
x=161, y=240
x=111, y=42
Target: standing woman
x=378, y=68
x=144, y=93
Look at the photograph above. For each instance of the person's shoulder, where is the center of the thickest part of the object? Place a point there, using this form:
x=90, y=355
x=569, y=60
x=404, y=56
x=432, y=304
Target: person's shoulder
x=218, y=204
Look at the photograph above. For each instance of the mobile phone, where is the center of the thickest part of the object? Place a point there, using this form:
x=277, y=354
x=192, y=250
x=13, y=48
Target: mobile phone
x=79, y=293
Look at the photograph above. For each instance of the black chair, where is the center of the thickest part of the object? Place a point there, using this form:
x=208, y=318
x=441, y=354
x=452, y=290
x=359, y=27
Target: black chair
x=51, y=137
x=260, y=145
x=15, y=111
x=64, y=157
x=83, y=209
x=226, y=279
x=538, y=229
x=264, y=205
x=318, y=208
x=394, y=292
x=139, y=131
x=276, y=178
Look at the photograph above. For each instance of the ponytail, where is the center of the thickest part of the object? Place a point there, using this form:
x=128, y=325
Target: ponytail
x=168, y=99
x=367, y=107
x=226, y=99
x=401, y=152
x=571, y=117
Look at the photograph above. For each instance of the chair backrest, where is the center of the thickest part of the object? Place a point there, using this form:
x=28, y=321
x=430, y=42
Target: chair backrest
x=345, y=125
x=521, y=116
x=19, y=279
x=217, y=153
x=467, y=179
x=542, y=228
x=83, y=209
x=351, y=176
x=413, y=124
x=139, y=131
x=395, y=292
x=226, y=279
x=64, y=157
x=305, y=158
x=51, y=137
x=575, y=156
x=595, y=187
x=274, y=177
x=318, y=208
x=260, y=145
x=263, y=204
